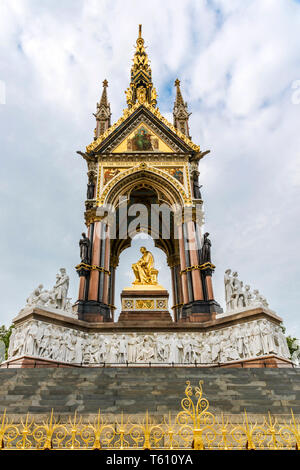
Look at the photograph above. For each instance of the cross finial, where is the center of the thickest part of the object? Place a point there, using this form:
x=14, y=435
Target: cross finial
x=105, y=83
x=140, y=30
x=177, y=82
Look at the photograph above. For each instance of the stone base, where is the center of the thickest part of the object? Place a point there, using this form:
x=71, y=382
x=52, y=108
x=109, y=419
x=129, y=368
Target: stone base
x=248, y=339
x=200, y=311
x=141, y=316
x=269, y=361
x=28, y=362
x=144, y=303
x=93, y=311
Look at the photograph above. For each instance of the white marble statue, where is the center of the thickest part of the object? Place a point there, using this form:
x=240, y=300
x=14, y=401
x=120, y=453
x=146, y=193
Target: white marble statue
x=34, y=296
x=238, y=297
x=122, y=350
x=61, y=289
x=296, y=354
x=55, y=298
x=228, y=290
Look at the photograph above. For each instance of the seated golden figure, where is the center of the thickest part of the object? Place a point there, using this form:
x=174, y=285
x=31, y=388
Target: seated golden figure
x=144, y=269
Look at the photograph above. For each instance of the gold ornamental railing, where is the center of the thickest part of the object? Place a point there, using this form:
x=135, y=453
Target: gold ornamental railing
x=194, y=427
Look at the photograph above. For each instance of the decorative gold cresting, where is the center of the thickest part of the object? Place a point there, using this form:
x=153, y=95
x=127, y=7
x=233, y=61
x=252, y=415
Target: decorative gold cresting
x=127, y=112
x=141, y=88
x=141, y=92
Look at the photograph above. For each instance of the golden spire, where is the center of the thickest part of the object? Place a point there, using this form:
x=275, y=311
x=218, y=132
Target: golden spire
x=140, y=60
x=141, y=87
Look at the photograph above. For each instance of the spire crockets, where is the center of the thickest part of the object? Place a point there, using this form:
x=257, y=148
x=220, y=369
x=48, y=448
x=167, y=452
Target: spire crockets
x=103, y=113
x=180, y=112
x=141, y=87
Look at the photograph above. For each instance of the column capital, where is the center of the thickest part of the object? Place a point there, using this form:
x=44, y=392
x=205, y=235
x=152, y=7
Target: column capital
x=193, y=213
x=83, y=269
x=173, y=260
x=207, y=268
x=114, y=261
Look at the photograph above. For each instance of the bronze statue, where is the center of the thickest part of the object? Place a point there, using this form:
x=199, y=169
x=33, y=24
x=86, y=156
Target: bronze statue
x=205, y=252
x=196, y=187
x=90, y=189
x=143, y=268
x=84, y=245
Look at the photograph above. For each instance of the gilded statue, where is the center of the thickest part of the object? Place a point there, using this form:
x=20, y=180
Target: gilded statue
x=128, y=94
x=144, y=269
x=141, y=94
x=153, y=95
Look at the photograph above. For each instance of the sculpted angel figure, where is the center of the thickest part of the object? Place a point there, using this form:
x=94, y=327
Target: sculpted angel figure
x=128, y=94
x=153, y=94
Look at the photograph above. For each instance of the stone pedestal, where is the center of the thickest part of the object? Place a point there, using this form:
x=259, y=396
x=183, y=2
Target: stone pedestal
x=43, y=338
x=145, y=303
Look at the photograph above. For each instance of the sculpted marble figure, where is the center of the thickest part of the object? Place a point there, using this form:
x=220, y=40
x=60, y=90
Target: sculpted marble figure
x=238, y=297
x=132, y=348
x=228, y=290
x=34, y=296
x=54, y=298
x=61, y=289
x=122, y=349
x=252, y=339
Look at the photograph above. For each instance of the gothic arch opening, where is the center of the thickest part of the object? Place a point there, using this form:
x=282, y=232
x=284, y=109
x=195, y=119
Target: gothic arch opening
x=129, y=255
x=164, y=189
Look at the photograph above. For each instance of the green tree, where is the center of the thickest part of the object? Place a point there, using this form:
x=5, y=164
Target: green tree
x=5, y=336
x=291, y=342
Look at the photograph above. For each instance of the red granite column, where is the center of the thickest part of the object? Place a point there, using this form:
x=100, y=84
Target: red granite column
x=81, y=288
x=94, y=278
x=196, y=277
x=174, y=292
x=183, y=266
x=209, y=287
x=112, y=291
x=106, y=266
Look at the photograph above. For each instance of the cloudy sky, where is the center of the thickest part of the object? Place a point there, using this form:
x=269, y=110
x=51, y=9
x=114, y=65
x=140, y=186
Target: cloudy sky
x=239, y=65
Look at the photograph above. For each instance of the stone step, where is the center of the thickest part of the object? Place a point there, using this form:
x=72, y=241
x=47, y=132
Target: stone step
x=134, y=390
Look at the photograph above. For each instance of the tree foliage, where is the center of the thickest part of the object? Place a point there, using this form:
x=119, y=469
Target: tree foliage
x=5, y=336
x=291, y=342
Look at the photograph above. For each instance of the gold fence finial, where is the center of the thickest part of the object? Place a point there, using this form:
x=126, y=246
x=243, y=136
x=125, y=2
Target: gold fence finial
x=194, y=427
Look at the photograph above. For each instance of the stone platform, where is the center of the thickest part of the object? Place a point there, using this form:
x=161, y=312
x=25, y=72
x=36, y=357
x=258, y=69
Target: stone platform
x=144, y=303
x=250, y=338
x=134, y=391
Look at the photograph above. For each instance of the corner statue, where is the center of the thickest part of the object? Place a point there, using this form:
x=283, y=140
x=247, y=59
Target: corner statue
x=144, y=269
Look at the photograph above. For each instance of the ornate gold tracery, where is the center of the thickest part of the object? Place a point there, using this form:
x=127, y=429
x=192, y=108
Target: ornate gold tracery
x=123, y=183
